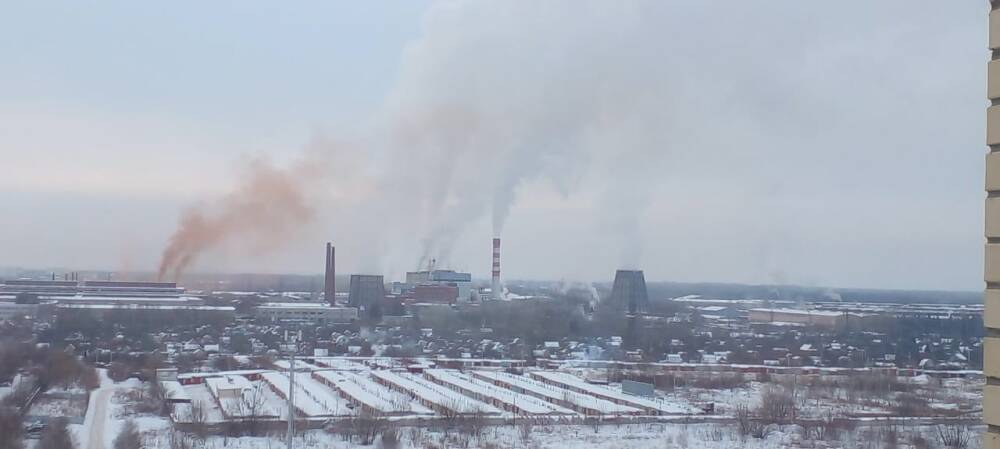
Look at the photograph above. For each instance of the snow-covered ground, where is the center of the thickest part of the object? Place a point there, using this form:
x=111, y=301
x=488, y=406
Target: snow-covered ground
x=510, y=399
x=433, y=394
x=555, y=394
x=361, y=389
x=113, y=403
x=569, y=381
x=631, y=436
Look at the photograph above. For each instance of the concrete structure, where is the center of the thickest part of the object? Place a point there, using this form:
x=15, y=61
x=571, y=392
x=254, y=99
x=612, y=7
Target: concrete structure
x=91, y=288
x=16, y=286
x=991, y=318
x=155, y=314
x=319, y=312
x=462, y=282
x=629, y=291
x=495, y=286
x=12, y=310
x=825, y=319
x=367, y=292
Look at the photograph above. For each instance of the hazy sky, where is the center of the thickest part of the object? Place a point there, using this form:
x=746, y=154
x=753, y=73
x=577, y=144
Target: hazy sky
x=773, y=141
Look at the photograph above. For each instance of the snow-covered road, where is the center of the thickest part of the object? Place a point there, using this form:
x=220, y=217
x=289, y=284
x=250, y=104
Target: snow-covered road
x=95, y=438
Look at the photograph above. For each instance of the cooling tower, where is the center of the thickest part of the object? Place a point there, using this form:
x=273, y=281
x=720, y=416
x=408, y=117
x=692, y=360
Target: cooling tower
x=629, y=291
x=367, y=292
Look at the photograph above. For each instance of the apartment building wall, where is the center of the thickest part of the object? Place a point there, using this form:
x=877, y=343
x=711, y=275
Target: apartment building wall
x=991, y=298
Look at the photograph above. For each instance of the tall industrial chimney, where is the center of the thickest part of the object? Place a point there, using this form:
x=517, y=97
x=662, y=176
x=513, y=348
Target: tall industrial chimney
x=330, y=282
x=495, y=286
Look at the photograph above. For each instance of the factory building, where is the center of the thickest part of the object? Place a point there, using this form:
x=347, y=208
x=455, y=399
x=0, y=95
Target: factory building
x=316, y=312
x=156, y=301
x=824, y=319
x=91, y=288
x=438, y=286
x=14, y=310
x=33, y=287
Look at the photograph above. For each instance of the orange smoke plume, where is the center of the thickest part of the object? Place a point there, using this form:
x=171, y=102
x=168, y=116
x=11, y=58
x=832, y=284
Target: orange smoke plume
x=267, y=206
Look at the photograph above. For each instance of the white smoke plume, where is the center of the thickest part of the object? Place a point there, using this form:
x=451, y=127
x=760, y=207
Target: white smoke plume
x=501, y=93
x=493, y=95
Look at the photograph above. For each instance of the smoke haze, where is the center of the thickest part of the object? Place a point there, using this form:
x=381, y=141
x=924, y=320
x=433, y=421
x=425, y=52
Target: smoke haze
x=268, y=205
x=477, y=111
x=695, y=140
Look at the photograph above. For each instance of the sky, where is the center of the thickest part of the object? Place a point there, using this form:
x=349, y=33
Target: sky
x=753, y=142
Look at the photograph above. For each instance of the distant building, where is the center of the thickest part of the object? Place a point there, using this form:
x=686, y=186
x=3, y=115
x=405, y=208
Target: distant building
x=818, y=318
x=435, y=293
x=90, y=288
x=462, y=282
x=319, y=312
x=366, y=294
x=13, y=310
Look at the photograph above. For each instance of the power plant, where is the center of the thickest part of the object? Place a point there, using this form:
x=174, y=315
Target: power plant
x=629, y=291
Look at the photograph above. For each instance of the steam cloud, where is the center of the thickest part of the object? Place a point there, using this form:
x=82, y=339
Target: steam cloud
x=491, y=96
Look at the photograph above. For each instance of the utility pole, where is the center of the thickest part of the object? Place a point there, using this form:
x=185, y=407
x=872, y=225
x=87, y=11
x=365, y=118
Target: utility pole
x=291, y=347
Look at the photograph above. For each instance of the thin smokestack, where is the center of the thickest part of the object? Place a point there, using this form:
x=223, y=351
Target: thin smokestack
x=330, y=284
x=495, y=286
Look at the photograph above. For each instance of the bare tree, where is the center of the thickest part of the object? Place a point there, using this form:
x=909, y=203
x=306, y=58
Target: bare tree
x=199, y=419
x=747, y=424
x=179, y=441
x=367, y=427
x=777, y=405
x=473, y=424
x=390, y=438
x=525, y=429
x=90, y=379
x=954, y=437
x=248, y=410
x=56, y=435
x=128, y=437
x=10, y=429
x=155, y=399
x=118, y=371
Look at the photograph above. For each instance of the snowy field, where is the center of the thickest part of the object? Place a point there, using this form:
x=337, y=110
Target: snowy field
x=440, y=409
x=443, y=391
x=631, y=436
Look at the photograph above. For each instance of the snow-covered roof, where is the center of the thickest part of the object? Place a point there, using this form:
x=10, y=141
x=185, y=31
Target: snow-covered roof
x=799, y=312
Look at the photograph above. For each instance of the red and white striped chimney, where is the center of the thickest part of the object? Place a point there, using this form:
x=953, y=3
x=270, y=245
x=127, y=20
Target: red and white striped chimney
x=497, y=294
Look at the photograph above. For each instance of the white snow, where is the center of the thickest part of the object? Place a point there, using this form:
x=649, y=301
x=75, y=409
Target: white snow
x=509, y=399
x=437, y=395
x=572, y=382
x=362, y=389
x=556, y=394
x=305, y=403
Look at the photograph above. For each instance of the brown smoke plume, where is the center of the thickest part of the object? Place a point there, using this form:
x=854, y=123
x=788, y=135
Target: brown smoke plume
x=268, y=204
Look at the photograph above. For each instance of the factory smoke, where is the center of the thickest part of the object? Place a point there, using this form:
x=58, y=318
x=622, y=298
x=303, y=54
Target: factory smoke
x=489, y=98
x=261, y=212
x=524, y=93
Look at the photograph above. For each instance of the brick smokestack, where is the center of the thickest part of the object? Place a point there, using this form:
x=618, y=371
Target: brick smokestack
x=495, y=286
x=330, y=281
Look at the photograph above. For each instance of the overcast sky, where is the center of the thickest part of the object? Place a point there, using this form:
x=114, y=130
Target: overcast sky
x=833, y=144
